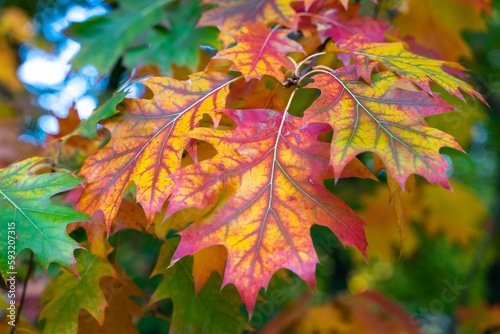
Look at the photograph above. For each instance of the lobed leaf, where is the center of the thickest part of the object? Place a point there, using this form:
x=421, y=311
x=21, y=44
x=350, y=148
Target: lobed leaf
x=66, y=295
x=179, y=44
x=261, y=51
x=39, y=224
x=267, y=183
x=337, y=24
x=383, y=119
x=410, y=67
x=113, y=33
x=229, y=15
x=147, y=143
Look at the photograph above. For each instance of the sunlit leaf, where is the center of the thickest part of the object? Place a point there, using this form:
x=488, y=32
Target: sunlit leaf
x=267, y=179
x=261, y=51
x=147, y=143
x=209, y=311
x=383, y=119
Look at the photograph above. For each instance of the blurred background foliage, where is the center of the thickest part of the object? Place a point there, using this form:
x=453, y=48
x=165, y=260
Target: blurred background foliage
x=62, y=59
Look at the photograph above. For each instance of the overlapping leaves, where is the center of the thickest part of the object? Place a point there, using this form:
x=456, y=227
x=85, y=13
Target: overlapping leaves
x=148, y=142
x=259, y=187
x=268, y=179
x=229, y=15
x=263, y=190
x=411, y=67
x=383, y=119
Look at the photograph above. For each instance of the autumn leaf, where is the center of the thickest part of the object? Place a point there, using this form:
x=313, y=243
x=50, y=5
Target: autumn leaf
x=368, y=312
x=39, y=225
x=267, y=180
x=438, y=25
x=113, y=33
x=66, y=150
x=383, y=119
x=61, y=308
x=271, y=93
x=230, y=15
x=209, y=311
x=147, y=143
x=261, y=51
x=410, y=67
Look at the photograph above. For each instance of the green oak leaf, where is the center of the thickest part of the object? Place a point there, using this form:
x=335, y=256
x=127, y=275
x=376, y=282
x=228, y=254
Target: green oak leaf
x=179, y=44
x=39, y=224
x=105, y=38
x=66, y=295
x=211, y=311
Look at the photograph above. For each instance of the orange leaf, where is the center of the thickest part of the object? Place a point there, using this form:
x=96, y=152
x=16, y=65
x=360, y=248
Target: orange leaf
x=147, y=143
x=383, y=119
x=261, y=51
x=267, y=180
x=229, y=15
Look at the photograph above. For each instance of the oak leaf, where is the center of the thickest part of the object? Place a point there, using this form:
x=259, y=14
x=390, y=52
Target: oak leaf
x=179, y=44
x=111, y=34
x=39, y=224
x=383, y=119
x=118, y=316
x=338, y=24
x=261, y=51
x=410, y=67
x=147, y=143
x=267, y=183
x=61, y=308
x=209, y=310
x=229, y=15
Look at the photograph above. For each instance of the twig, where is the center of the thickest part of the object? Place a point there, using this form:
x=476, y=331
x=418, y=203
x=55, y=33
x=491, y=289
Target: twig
x=23, y=295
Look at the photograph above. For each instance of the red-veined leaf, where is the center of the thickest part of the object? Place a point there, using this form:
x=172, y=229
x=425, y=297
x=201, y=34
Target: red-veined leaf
x=147, y=143
x=383, y=119
x=268, y=178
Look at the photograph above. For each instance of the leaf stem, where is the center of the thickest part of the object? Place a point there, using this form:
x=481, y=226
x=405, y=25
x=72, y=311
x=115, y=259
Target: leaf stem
x=319, y=69
x=23, y=295
x=297, y=67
